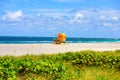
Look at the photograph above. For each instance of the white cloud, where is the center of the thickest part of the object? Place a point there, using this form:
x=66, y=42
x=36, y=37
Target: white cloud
x=102, y=17
x=13, y=16
x=77, y=18
x=50, y=12
x=79, y=15
x=53, y=19
x=108, y=24
x=109, y=14
x=115, y=18
x=38, y=14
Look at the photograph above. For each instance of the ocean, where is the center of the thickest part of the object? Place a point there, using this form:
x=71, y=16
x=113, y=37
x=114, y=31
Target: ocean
x=40, y=40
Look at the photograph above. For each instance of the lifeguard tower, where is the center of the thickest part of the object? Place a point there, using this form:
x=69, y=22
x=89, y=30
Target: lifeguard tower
x=60, y=39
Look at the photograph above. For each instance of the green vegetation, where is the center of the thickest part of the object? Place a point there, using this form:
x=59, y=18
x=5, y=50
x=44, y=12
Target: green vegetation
x=83, y=65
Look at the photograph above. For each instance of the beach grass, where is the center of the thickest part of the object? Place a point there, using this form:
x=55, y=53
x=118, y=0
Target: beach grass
x=83, y=65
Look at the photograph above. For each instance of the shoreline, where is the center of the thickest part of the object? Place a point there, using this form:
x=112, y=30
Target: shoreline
x=50, y=48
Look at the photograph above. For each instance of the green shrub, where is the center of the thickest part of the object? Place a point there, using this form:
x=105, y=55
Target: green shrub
x=10, y=68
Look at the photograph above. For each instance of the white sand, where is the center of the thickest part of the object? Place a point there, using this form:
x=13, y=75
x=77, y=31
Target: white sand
x=23, y=49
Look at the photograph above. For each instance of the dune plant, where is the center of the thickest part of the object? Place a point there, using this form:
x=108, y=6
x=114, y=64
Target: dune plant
x=63, y=66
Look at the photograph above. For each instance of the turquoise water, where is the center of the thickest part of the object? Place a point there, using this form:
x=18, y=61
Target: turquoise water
x=38, y=40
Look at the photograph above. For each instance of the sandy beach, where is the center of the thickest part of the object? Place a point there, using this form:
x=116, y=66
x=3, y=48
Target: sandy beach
x=23, y=49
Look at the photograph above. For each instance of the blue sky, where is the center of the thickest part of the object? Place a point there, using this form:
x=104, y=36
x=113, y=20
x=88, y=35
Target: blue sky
x=76, y=18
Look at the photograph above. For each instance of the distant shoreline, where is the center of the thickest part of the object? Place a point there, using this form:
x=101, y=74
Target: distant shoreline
x=52, y=42
x=36, y=49
x=44, y=40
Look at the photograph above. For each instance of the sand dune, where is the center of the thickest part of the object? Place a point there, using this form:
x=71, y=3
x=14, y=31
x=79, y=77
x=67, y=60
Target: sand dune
x=23, y=49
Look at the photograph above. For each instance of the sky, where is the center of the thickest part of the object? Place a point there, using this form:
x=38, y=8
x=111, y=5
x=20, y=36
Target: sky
x=47, y=18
